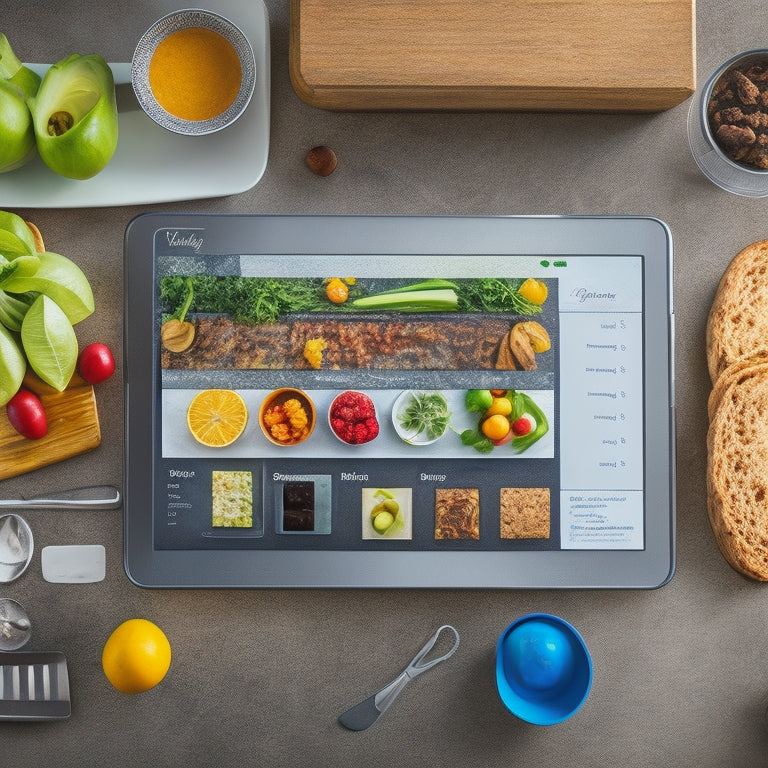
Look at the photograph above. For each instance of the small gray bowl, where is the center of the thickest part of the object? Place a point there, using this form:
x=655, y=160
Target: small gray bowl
x=188, y=19
x=734, y=177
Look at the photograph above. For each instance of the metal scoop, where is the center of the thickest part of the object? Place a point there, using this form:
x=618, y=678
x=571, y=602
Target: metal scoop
x=367, y=712
x=16, y=547
x=15, y=627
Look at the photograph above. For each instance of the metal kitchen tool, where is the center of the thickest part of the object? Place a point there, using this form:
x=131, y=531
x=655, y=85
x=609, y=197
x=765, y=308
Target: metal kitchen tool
x=16, y=547
x=92, y=497
x=15, y=627
x=34, y=686
x=367, y=712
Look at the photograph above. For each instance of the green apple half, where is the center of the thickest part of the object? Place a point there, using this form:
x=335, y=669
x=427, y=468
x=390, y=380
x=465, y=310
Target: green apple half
x=12, y=70
x=17, y=136
x=75, y=116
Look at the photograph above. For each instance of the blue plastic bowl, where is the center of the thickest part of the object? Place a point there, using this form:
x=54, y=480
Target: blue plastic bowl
x=543, y=669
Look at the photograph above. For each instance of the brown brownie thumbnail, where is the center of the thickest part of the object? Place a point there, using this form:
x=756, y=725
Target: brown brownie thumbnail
x=457, y=513
x=524, y=513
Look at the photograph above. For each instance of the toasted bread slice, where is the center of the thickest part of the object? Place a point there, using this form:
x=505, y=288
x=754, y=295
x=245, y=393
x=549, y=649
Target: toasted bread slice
x=737, y=472
x=737, y=326
x=727, y=377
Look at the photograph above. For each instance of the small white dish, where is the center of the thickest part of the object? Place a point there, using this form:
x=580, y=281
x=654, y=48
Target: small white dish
x=409, y=436
x=179, y=21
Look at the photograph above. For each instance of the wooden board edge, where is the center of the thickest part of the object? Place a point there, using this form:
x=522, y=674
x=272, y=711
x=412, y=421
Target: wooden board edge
x=608, y=100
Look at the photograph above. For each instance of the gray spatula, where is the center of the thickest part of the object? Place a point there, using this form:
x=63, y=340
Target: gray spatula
x=367, y=712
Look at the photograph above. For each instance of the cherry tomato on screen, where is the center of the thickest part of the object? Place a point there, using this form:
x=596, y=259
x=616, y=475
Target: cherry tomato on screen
x=27, y=414
x=96, y=363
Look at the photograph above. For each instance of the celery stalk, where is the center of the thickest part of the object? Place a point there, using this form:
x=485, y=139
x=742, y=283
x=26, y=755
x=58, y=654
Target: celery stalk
x=439, y=300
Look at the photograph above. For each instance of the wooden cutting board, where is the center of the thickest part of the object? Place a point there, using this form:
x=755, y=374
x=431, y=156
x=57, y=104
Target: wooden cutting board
x=73, y=428
x=534, y=55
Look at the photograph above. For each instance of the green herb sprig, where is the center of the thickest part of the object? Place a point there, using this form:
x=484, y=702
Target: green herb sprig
x=495, y=294
x=427, y=413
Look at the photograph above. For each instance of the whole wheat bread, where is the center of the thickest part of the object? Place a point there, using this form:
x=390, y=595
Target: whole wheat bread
x=737, y=326
x=726, y=378
x=737, y=471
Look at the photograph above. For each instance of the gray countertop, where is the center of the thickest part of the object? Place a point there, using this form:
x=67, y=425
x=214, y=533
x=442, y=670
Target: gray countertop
x=259, y=677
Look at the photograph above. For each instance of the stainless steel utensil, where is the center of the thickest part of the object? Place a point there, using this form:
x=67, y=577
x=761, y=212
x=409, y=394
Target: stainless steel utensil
x=16, y=547
x=91, y=497
x=366, y=713
x=15, y=627
x=34, y=686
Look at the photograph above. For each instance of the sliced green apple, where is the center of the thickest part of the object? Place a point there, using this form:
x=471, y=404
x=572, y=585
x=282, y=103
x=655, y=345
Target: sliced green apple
x=50, y=343
x=60, y=279
x=15, y=236
x=13, y=307
x=13, y=365
x=75, y=116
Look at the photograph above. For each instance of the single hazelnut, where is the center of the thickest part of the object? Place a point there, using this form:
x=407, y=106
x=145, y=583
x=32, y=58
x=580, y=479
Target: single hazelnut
x=322, y=160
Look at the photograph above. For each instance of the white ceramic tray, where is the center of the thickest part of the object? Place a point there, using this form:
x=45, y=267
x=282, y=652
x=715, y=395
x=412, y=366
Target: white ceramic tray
x=152, y=165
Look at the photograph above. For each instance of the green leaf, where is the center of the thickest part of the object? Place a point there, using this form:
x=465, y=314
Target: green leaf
x=13, y=365
x=523, y=443
x=49, y=342
x=477, y=440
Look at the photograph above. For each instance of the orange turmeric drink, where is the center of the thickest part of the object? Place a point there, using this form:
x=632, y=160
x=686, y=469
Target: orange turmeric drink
x=195, y=74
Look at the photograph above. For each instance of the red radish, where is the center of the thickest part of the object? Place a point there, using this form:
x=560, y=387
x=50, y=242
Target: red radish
x=96, y=363
x=521, y=426
x=27, y=415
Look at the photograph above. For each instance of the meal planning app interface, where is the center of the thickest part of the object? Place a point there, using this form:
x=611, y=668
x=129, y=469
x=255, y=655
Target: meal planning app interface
x=407, y=403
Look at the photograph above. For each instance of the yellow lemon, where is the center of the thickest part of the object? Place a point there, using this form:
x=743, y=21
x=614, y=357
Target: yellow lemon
x=217, y=417
x=533, y=290
x=137, y=656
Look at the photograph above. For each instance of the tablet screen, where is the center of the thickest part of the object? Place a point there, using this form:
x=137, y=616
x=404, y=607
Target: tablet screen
x=374, y=411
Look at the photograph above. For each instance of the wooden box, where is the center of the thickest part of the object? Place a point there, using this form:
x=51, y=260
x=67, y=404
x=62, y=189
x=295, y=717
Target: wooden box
x=532, y=55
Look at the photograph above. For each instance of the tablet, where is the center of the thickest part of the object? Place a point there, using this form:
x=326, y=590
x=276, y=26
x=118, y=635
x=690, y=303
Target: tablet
x=398, y=401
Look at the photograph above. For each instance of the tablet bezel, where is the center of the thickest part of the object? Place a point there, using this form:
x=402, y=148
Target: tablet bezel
x=546, y=236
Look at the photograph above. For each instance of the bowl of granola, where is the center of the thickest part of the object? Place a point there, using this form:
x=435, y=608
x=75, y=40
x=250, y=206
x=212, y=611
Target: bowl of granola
x=728, y=125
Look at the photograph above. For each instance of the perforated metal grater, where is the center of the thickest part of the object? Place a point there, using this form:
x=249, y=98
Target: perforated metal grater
x=34, y=686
